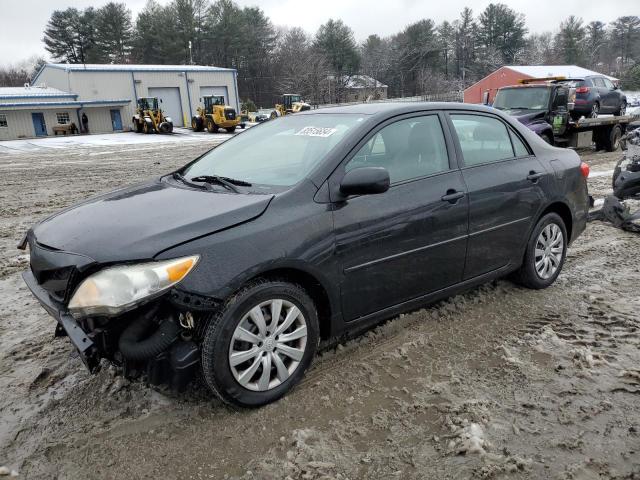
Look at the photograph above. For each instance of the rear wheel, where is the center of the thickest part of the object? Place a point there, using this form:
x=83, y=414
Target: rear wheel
x=258, y=346
x=595, y=110
x=137, y=127
x=545, y=254
x=211, y=126
x=147, y=128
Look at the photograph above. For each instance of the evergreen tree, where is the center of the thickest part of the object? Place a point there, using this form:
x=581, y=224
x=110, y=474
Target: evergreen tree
x=113, y=33
x=502, y=30
x=69, y=35
x=570, y=41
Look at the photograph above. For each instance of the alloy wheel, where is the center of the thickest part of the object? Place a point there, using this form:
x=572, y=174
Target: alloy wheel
x=268, y=345
x=549, y=251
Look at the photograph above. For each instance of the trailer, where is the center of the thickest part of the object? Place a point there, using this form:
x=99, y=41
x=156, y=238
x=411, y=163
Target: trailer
x=545, y=104
x=605, y=132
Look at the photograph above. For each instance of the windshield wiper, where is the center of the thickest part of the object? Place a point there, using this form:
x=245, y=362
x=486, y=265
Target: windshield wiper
x=227, y=183
x=179, y=176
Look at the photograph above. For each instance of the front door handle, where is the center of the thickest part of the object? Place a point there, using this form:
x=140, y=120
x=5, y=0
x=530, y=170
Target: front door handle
x=534, y=176
x=452, y=196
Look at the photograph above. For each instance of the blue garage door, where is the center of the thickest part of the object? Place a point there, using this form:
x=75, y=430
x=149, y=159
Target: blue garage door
x=171, y=104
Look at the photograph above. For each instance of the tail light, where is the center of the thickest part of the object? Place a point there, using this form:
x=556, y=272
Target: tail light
x=584, y=169
x=582, y=90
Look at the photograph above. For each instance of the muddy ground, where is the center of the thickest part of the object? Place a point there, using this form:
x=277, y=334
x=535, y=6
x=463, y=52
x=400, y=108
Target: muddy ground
x=500, y=382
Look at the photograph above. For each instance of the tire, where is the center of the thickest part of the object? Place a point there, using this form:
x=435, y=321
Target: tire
x=219, y=342
x=622, y=111
x=547, y=138
x=611, y=140
x=230, y=129
x=137, y=127
x=528, y=275
x=146, y=128
x=196, y=124
x=595, y=110
x=211, y=126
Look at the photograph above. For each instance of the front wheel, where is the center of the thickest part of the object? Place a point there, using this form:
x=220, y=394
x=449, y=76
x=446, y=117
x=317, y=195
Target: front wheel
x=231, y=129
x=545, y=254
x=258, y=346
x=622, y=111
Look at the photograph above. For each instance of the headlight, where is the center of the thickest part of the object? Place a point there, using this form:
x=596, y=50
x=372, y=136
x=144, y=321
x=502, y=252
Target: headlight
x=117, y=289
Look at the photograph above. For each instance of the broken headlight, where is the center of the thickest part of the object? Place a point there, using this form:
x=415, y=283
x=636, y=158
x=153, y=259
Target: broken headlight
x=117, y=289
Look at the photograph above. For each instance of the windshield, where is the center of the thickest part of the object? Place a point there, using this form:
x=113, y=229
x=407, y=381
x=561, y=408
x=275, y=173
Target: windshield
x=280, y=152
x=530, y=98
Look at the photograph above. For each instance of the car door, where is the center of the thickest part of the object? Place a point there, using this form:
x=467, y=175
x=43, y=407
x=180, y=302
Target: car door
x=603, y=94
x=410, y=240
x=612, y=96
x=505, y=185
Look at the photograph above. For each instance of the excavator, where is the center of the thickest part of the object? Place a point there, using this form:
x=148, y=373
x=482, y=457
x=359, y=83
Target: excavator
x=215, y=115
x=290, y=103
x=149, y=117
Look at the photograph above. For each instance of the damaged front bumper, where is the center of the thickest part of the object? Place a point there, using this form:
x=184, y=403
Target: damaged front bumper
x=66, y=324
x=127, y=340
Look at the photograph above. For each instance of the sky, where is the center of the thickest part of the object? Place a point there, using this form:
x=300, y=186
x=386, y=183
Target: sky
x=22, y=22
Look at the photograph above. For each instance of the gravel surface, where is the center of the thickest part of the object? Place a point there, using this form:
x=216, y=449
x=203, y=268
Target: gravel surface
x=498, y=382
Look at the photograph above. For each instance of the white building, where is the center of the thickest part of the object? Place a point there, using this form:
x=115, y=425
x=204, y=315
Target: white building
x=40, y=111
x=108, y=94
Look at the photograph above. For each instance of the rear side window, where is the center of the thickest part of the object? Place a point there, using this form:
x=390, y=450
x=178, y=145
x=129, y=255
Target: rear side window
x=599, y=82
x=482, y=139
x=518, y=145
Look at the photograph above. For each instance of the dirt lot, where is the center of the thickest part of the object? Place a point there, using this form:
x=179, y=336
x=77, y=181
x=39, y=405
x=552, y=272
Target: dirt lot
x=498, y=382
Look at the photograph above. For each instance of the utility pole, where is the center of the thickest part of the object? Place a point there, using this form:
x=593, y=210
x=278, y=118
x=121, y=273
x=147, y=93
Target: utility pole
x=190, y=54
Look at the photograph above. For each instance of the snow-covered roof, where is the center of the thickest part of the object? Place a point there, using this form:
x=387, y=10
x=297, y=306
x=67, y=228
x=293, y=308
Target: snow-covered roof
x=569, y=71
x=363, y=81
x=96, y=67
x=35, y=91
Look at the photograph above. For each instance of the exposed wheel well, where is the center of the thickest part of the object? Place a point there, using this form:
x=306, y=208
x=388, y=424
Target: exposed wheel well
x=315, y=290
x=564, y=212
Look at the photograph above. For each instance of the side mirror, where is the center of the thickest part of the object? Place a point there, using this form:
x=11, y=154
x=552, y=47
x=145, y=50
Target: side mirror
x=365, y=181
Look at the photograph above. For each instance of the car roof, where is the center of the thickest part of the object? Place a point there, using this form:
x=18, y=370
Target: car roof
x=396, y=108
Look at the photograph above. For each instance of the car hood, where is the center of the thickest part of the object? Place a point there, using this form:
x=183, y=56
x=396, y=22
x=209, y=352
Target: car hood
x=526, y=116
x=141, y=221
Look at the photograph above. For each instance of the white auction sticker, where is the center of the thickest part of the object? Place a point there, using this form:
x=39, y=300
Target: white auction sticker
x=317, y=131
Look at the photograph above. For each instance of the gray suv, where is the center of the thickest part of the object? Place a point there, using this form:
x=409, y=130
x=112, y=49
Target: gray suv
x=596, y=95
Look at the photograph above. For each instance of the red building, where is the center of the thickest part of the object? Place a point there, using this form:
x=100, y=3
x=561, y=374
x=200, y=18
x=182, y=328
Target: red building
x=484, y=91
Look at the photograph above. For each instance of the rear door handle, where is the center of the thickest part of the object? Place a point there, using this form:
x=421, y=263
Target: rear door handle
x=534, y=176
x=452, y=196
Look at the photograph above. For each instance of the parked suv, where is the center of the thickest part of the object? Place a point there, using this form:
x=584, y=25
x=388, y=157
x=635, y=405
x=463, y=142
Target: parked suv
x=304, y=229
x=596, y=95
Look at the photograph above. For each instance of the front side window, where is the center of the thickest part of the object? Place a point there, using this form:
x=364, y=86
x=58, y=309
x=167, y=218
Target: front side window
x=410, y=148
x=3, y=121
x=482, y=139
x=280, y=152
x=608, y=83
x=63, y=118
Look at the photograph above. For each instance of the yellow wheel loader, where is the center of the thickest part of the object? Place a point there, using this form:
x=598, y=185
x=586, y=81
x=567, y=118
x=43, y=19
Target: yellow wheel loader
x=149, y=118
x=291, y=103
x=215, y=115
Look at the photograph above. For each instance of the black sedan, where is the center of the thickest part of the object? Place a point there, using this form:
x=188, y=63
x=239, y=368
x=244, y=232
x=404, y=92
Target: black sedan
x=300, y=230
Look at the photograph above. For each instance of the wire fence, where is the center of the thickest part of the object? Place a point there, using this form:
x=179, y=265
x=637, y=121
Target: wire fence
x=433, y=97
